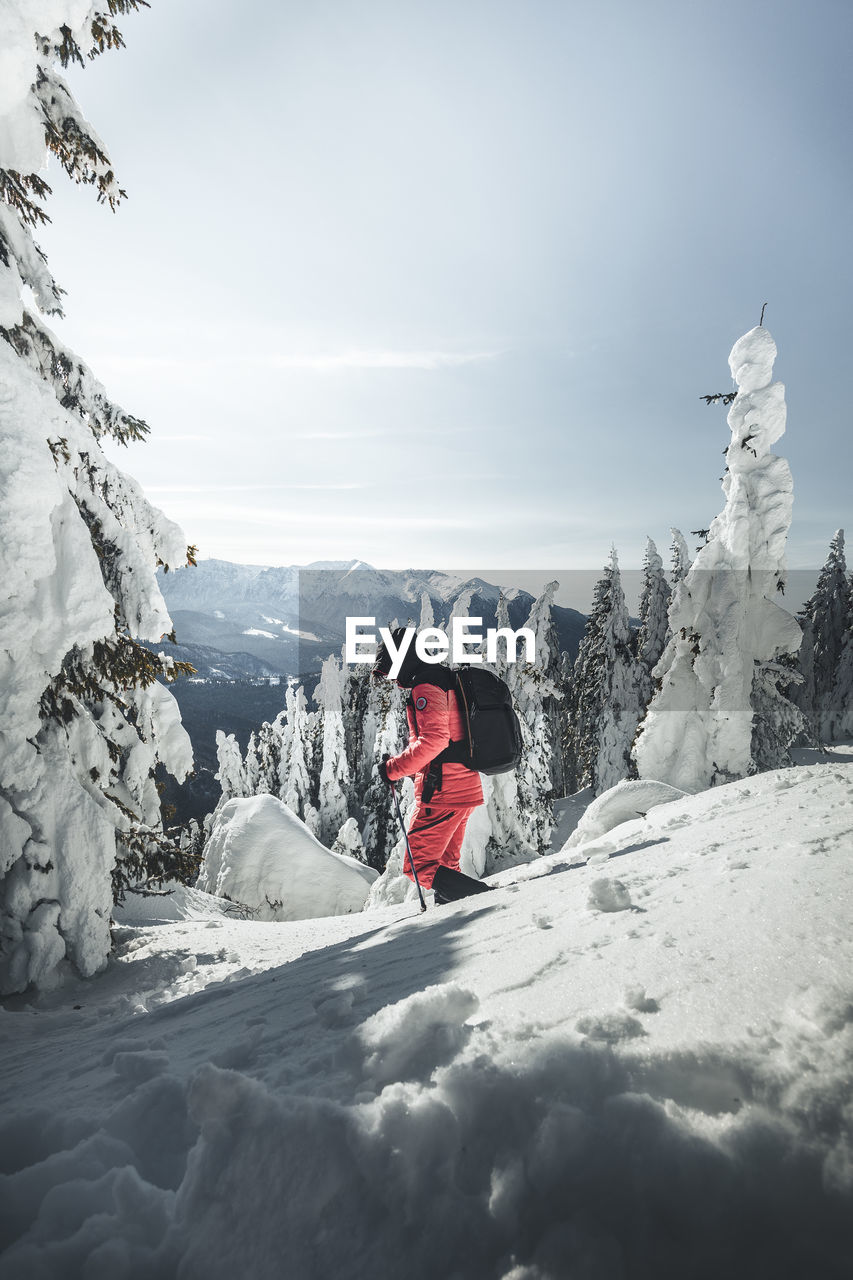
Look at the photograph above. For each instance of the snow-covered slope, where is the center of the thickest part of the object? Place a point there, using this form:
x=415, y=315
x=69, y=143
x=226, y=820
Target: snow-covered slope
x=631, y=1060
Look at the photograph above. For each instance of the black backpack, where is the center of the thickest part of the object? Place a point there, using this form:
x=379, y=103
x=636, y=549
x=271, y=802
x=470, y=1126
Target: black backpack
x=493, y=733
x=492, y=742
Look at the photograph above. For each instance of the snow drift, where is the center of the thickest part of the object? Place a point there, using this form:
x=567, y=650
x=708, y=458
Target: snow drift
x=264, y=858
x=622, y=803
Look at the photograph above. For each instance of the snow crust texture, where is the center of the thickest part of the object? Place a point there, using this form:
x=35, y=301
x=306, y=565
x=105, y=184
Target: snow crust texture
x=548, y=1083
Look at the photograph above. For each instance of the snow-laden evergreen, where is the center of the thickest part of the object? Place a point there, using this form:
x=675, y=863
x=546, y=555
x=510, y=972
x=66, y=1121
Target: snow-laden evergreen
x=295, y=782
x=231, y=774
x=827, y=617
x=348, y=841
x=334, y=783
x=728, y=629
x=680, y=558
x=841, y=723
x=654, y=621
x=536, y=691
x=605, y=689
x=82, y=721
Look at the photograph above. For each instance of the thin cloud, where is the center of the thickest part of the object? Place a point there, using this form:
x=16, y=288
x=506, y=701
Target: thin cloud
x=324, y=362
x=250, y=488
x=183, y=439
x=385, y=432
x=422, y=360
x=269, y=517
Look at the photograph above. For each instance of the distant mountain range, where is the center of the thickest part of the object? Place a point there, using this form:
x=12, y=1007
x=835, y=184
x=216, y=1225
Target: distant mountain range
x=246, y=629
x=235, y=621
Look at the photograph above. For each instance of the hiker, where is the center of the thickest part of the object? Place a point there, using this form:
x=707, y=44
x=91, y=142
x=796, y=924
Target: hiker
x=446, y=793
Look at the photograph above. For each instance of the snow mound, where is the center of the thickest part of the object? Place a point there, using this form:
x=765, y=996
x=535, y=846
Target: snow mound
x=609, y=895
x=264, y=858
x=622, y=803
x=407, y=1040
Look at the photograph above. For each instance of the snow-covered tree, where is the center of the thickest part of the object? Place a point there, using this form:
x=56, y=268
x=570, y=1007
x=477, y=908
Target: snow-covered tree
x=83, y=717
x=383, y=734
x=262, y=765
x=296, y=753
x=728, y=631
x=841, y=723
x=605, y=704
x=827, y=618
x=535, y=689
x=680, y=559
x=654, y=621
x=334, y=782
x=348, y=841
x=231, y=774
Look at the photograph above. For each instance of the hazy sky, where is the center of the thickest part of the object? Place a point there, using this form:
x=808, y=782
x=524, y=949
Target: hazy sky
x=441, y=284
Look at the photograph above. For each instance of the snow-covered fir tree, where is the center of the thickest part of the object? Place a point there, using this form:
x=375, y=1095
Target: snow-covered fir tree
x=252, y=766
x=605, y=697
x=719, y=714
x=841, y=722
x=348, y=841
x=231, y=774
x=297, y=753
x=262, y=765
x=827, y=619
x=384, y=733
x=83, y=717
x=334, y=782
x=680, y=558
x=654, y=622
x=535, y=689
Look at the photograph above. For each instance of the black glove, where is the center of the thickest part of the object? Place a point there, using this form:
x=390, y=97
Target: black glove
x=383, y=769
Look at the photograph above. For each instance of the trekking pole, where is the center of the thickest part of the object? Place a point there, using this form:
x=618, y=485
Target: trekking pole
x=408, y=846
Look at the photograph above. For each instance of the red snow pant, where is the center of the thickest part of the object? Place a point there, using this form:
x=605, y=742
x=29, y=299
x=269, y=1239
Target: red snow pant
x=435, y=839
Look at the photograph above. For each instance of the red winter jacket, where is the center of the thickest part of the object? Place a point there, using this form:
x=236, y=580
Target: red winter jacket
x=439, y=722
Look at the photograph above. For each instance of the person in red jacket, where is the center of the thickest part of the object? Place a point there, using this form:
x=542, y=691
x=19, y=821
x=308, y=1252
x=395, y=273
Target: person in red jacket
x=446, y=793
